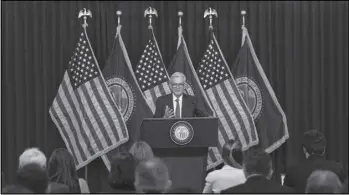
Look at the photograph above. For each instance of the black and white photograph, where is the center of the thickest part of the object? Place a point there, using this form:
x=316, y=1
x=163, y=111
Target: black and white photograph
x=174, y=97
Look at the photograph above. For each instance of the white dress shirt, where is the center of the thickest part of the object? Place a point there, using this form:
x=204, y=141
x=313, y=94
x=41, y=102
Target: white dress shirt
x=175, y=104
x=224, y=178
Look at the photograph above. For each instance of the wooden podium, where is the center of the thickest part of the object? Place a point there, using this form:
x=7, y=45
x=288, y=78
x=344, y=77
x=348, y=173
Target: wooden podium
x=186, y=161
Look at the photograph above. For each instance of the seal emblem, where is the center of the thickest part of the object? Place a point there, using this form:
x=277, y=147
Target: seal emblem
x=188, y=89
x=181, y=132
x=122, y=95
x=252, y=95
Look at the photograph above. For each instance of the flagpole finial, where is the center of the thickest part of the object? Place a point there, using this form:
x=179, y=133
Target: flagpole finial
x=118, y=13
x=210, y=12
x=150, y=12
x=180, y=14
x=243, y=13
x=85, y=13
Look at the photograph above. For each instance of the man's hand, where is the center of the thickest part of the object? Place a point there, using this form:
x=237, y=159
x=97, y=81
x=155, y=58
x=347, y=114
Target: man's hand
x=168, y=113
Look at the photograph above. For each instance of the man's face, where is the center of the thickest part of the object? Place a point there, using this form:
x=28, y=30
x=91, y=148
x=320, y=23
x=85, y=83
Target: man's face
x=177, y=85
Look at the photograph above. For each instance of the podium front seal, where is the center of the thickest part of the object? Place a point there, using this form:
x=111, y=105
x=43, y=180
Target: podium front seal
x=181, y=133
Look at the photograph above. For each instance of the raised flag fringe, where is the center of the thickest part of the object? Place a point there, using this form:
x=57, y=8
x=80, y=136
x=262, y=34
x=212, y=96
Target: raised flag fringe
x=278, y=143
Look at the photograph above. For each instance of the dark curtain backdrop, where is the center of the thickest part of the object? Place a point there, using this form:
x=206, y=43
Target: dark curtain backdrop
x=302, y=46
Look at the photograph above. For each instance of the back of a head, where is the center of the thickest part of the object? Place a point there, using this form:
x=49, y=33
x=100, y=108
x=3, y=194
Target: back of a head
x=321, y=181
x=33, y=177
x=32, y=155
x=232, y=154
x=141, y=151
x=345, y=187
x=184, y=190
x=257, y=161
x=152, y=176
x=54, y=188
x=16, y=189
x=314, y=142
x=122, y=171
x=61, y=169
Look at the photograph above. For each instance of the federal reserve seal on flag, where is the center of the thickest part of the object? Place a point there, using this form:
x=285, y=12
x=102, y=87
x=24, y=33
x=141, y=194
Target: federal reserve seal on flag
x=122, y=95
x=188, y=89
x=181, y=133
x=252, y=95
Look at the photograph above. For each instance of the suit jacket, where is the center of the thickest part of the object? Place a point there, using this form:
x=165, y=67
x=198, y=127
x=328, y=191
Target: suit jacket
x=190, y=107
x=258, y=184
x=224, y=178
x=296, y=176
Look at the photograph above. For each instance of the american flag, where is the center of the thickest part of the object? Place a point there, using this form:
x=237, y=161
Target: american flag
x=235, y=121
x=83, y=110
x=151, y=73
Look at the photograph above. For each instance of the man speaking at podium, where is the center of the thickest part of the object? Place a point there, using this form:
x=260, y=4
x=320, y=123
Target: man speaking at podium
x=177, y=104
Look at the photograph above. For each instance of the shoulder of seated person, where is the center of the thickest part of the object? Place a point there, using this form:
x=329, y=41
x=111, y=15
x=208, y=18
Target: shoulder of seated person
x=212, y=174
x=81, y=180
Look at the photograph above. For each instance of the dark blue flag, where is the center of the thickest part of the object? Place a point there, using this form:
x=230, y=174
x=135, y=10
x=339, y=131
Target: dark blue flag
x=126, y=93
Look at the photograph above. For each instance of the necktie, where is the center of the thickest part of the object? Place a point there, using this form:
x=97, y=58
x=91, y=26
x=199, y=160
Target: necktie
x=177, y=111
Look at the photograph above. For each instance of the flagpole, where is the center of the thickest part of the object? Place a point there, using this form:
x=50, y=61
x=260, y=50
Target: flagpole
x=85, y=13
x=150, y=12
x=118, y=27
x=180, y=14
x=119, y=13
x=243, y=13
x=180, y=30
x=210, y=12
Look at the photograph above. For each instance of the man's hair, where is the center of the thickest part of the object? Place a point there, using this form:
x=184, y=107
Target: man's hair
x=322, y=181
x=182, y=190
x=32, y=155
x=141, y=151
x=122, y=171
x=232, y=154
x=256, y=161
x=16, y=189
x=61, y=169
x=33, y=177
x=54, y=188
x=179, y=74
x=152, y=176
x=314, y=142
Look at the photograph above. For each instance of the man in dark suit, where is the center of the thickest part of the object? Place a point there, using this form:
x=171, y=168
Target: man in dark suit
x=314, y=145
x=257, y=167
x=178, y=104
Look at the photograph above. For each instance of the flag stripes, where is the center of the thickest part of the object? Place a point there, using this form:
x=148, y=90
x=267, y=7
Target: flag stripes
x=86, y=116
